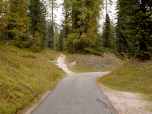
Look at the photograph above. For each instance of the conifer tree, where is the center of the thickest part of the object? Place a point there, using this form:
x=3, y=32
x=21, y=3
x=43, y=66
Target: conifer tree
x=74, y=36
x=121, y=27
x=49, y=35
x=91, y=21
x=84, y=21
x=61, y=41
x=1, y=5
x=19, y=22
x=65, y=22
x=107, y=27
x=137, y=31
x=36, y=43
x=107, y=33
x=37, y=16
x=56, y=37
x=53, y=5
x=5, y=19
x=144, y=28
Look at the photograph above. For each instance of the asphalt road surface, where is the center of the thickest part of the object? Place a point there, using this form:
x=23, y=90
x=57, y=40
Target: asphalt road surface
x=77, y=94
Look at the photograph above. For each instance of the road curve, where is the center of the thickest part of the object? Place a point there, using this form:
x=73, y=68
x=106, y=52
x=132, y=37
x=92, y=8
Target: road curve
x=77, y=94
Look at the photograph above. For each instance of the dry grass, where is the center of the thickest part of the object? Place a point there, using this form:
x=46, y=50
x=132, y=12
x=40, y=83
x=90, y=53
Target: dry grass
x=93, y=63
x=25, y=77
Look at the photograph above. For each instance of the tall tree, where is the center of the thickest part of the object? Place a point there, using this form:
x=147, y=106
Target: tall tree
x=4, y=12
x=1, y=5
x=84, y=21
x=65, y=22
x=138, y=27
x=53, y=5
x=90, y=19
x=74, y=36
x=107, y=25
x=60, y=41
x=19, y=22
x=36, y=42
x=144, y=26
x=121, y=27
x=108, y=34
x=38, y=21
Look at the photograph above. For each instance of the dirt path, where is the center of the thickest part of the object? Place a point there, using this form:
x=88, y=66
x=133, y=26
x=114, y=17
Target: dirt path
x=61, y=63
x=126, y=102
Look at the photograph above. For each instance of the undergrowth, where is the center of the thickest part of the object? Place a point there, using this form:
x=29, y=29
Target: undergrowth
x=25, y=77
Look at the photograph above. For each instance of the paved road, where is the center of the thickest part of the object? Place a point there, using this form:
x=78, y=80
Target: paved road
x=77, y=94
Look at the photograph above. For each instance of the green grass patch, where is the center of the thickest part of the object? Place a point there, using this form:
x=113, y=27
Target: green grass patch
x=25, y=77
x=132, y=76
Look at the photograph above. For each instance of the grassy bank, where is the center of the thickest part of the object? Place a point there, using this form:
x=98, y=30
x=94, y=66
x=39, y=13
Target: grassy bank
x=25, y=77
x=93, y=63
x=132, y=76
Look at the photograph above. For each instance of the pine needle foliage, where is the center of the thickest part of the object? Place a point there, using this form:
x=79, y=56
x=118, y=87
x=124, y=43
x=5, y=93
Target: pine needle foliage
x=37, y=15
x=108, y=34
x=19, y=22
x=134, y=28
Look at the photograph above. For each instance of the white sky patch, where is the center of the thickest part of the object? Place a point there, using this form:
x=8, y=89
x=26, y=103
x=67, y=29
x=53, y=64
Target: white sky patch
x=111, y=10
x=57, y=11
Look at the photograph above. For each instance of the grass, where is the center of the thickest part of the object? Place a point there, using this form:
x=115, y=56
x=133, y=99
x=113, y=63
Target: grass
x=133, y=76
x=25, y=77
x=92, y=63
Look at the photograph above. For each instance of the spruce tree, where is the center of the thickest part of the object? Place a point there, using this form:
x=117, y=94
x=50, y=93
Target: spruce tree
x=108, y=36
x=37, y=15
x=137, y=30
x=121, y=28
x=144, y=26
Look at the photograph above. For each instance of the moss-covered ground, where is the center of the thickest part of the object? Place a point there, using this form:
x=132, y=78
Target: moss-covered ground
x=25, y=77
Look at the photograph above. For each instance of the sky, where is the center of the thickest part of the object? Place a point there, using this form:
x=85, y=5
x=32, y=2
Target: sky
x=58, y=13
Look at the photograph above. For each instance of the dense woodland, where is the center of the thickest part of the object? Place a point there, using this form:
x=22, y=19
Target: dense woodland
x=23, y=23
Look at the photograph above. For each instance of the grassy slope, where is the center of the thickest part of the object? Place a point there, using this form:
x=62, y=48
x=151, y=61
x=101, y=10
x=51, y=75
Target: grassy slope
x=133, y=76
x=92, y=63
x=25, y=77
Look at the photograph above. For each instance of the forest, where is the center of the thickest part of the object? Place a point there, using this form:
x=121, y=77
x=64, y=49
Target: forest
x=23, y=23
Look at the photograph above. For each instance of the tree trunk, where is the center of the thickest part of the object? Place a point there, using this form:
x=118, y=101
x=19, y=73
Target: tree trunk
x=52, y=27
x=73, y=49
x=106, y=39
